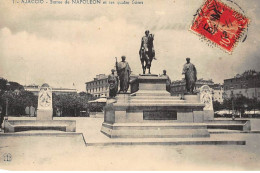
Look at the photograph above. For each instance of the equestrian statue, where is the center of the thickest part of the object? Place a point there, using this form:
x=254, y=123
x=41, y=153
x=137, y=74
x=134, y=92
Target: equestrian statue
x=146, y=52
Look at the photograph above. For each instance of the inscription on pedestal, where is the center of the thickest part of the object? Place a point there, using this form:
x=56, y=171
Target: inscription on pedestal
x=160, y=115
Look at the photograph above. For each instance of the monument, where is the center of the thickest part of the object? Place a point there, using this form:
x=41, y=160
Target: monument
x=206, y=98
x=151, y=112
x=123, y=71
x=44, y=119
x=44, y=110
x=190, y=72
x=147, y=52
x=113, y=84
x=168, y=82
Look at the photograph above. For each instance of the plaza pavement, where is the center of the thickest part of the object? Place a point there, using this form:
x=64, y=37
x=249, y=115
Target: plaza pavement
x=61, y=153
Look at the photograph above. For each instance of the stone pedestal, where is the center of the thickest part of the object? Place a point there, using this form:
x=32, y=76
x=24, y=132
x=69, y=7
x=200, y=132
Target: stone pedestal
x=194, y=98
x=44, y=114
x=153, y=112
x=208, y=115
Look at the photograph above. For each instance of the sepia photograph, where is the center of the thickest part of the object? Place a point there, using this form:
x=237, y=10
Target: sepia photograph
x=129, y=85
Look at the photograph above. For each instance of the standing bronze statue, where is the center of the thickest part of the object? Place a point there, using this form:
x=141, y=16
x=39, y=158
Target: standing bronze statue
x=113, y=84
x=190, y=75
x=123, y=71
x=146, y=52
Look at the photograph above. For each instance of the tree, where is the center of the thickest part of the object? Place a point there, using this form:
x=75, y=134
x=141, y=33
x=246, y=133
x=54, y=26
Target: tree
x=15, y=86
x=17, y=102
x=227, y=104
x=72, y=104
x=3, y=83
x=217, y=106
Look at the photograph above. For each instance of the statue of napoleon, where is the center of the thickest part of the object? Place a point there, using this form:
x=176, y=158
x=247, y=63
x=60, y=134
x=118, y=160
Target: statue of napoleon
x=190, y=72
x=146, y=52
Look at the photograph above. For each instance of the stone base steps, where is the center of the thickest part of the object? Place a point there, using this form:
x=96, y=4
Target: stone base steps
x=20, y=128
x=166, y=141
x=156, y=101
x=155, y=97
x=154, y=130
x=144, y=126
x=151, y=93
x=46, y=136
x=227, y=121
x=28, y=125
x=241, y=125
x=226, y=126
x=223, y=131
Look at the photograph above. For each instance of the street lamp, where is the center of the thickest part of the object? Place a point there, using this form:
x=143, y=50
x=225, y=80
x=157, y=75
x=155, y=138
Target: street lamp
x=232, y=102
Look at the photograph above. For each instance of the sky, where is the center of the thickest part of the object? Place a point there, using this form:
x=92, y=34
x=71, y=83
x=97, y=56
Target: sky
x=65, y=44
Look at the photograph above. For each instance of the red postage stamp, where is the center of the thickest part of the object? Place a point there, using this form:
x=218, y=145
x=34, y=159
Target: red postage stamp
x=220, y=24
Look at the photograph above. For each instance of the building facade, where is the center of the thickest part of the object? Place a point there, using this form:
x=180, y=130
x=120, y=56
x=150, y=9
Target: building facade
x=99, y=86
x=179, y=87
x=58, y=91
x=247, y=84
x=217, y=93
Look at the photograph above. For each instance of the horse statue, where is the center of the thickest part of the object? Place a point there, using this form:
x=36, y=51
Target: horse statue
x=147, y=54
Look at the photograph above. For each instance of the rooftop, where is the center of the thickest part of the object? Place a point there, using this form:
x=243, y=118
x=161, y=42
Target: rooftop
x=247, y=73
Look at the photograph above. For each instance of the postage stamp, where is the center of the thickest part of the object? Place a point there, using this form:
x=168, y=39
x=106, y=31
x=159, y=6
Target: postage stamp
x=220, y=24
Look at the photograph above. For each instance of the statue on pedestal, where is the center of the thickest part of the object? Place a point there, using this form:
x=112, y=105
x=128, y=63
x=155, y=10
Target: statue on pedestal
x=168, y=82
x=113, y=84
x=123, y=71
x=146, y=52
x=190, y=72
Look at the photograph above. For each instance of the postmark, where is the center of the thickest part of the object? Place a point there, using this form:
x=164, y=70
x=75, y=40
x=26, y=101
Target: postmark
x=220, y=24
x=7, y=157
